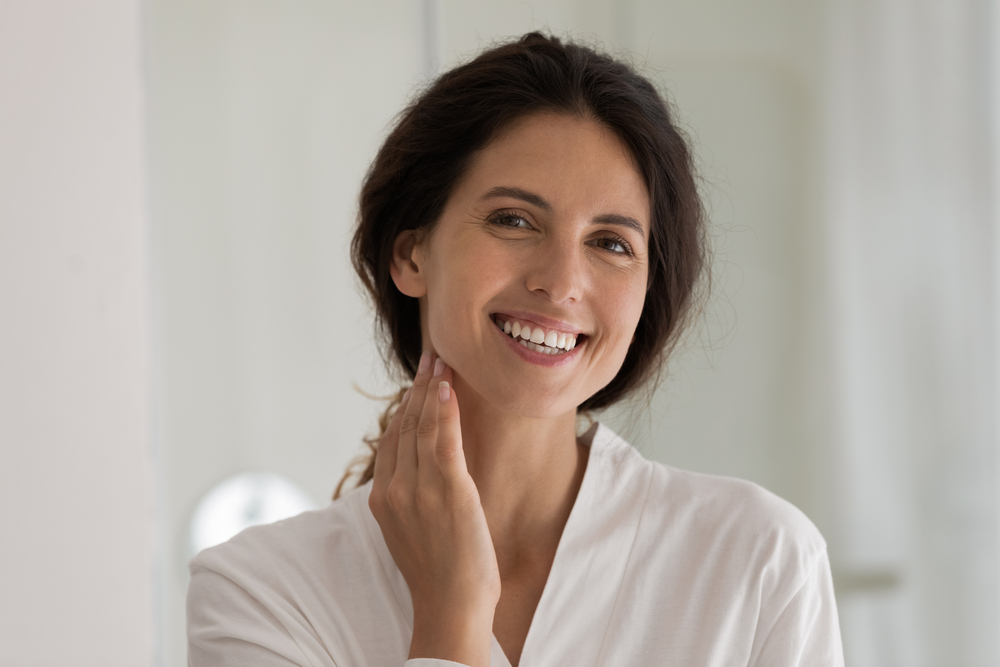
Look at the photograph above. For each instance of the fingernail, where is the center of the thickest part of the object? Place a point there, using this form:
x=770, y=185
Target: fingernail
x=425, y=362
x=444, y=392
x=438, y=366
x=406, y=395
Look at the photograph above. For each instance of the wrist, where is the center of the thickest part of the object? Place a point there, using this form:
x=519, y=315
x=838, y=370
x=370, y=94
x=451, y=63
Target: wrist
x=462, y=634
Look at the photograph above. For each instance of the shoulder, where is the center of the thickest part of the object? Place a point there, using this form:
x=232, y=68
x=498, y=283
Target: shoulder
x=305, y=588
x=710, y=514
x=732, y=563
x=731, y=506
x=295, y=545
x=279, y=578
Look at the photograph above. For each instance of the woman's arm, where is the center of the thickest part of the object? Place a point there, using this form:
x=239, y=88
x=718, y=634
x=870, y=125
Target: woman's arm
x=807, y=630
x=429, y=510
x=228, y=626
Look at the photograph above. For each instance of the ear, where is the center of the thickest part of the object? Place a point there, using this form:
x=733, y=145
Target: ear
x=407, y=260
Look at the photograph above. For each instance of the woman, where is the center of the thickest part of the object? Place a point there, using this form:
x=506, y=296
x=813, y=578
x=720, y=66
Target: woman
x=531, y=236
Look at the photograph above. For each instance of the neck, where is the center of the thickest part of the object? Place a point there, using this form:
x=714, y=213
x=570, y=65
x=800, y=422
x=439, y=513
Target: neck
x=527, y=470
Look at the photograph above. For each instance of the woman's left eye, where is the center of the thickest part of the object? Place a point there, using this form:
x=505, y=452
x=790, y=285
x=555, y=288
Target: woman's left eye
x=615, y=245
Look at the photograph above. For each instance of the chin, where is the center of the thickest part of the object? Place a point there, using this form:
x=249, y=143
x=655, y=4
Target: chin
x=531, y=405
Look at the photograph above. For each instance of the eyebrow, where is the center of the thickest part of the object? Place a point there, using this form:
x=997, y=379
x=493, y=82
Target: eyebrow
x=621, y=221
x=539, y=201
x=518, y=193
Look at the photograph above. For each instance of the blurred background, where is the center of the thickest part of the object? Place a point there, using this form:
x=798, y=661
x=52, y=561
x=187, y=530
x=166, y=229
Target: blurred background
x=178, y=183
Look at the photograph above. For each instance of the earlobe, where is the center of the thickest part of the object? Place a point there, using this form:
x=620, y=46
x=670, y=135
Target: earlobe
x=406, y=265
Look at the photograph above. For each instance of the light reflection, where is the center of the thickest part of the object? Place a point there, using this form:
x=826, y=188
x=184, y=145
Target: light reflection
x=242, y=501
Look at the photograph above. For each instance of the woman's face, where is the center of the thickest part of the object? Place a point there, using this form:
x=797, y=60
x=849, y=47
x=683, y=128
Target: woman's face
x=546, y=231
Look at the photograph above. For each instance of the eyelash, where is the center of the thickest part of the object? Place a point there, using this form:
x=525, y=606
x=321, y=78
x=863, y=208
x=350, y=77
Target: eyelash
x=498, y=218
x=626, y=248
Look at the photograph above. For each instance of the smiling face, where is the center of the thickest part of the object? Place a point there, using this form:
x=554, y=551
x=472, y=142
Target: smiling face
x=547, y=231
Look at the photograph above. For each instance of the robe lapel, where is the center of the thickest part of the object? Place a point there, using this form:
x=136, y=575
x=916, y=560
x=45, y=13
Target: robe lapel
x=392, y=574
x=575, y=609
x=579, y=597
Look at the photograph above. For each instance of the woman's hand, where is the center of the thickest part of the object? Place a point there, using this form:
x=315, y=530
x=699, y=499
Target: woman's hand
x=430, y=513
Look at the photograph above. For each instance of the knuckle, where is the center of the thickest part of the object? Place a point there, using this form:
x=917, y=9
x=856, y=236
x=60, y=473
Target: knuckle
x=426, y=427
x=396, y=496
x=409, y=423
x=375, y=504
x=445, y=452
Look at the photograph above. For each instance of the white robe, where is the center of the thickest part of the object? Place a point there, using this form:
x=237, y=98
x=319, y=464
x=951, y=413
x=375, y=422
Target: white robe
x=656, y=566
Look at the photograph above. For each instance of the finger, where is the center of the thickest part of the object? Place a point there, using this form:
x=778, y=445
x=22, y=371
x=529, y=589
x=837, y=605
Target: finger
x=427, y=467
x=385, y=457
x=449, y=452
x=406, y=453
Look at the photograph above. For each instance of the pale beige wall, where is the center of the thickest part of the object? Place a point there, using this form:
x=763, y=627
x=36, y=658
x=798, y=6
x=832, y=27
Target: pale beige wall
x=77, y=528
x=263, y=119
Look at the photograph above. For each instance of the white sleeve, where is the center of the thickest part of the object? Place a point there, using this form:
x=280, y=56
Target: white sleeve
x=228, y=627
x=807, y=631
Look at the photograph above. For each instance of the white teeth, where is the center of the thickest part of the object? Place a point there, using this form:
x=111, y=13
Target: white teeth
x=539, y=348
x=551, y=342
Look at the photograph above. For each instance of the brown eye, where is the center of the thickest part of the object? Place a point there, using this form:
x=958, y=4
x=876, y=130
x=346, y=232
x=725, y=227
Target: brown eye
x=508, y=219
x=613, y=244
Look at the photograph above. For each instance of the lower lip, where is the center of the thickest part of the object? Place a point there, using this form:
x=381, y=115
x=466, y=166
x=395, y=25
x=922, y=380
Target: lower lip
x=539, y=358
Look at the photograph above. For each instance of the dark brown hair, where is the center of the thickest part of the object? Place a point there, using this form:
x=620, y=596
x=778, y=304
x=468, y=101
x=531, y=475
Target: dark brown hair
x=431, y=146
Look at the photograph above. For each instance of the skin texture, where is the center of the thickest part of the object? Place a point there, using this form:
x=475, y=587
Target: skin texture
x=473, y=489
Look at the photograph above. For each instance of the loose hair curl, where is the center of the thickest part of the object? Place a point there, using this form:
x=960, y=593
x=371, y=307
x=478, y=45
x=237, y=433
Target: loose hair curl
x=431, y=146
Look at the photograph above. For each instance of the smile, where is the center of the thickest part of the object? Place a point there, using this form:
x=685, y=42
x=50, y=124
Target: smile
x=536, y=338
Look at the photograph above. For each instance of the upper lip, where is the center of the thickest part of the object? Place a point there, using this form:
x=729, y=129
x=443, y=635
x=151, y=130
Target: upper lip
x=550, y=323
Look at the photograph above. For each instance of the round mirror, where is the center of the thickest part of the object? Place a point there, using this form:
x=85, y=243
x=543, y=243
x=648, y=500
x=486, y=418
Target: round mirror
x=242, y=501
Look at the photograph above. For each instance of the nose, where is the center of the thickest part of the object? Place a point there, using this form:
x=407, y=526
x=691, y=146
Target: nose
x=558, y=271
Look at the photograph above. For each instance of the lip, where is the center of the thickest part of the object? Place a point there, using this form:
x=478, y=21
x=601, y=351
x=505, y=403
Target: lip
x=538, y=358
x=535, y=319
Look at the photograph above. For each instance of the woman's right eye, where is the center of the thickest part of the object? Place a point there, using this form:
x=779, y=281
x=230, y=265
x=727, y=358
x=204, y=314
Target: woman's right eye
x=509, y=219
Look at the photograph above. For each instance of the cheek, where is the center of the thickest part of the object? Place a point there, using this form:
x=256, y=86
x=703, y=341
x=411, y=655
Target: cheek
x=624, y=309
x=626, y=305
x=457, y=293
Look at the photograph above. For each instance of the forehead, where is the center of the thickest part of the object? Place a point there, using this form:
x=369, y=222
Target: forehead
x=576, y=164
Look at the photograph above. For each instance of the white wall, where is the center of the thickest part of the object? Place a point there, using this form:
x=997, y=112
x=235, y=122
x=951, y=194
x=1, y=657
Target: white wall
x=76, y=499
x=263, y=119
x=911, y=185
